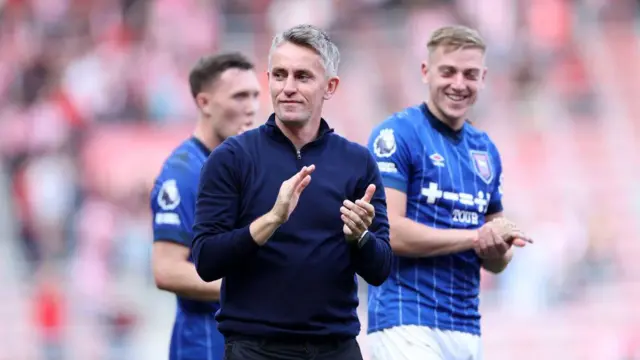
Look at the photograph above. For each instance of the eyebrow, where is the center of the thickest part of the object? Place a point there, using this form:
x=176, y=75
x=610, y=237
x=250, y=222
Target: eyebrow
x=447, y=67
x=246, y=92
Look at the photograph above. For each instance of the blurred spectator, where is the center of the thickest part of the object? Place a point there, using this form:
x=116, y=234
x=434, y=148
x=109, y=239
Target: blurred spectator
x=50, y=312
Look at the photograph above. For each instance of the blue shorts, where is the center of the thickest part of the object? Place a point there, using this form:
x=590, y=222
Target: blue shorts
x=196, y=337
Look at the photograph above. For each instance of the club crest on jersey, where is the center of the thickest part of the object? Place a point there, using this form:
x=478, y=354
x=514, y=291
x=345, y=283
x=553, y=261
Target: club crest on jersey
x=384, y=144
x=482, y=165
x=169, y=196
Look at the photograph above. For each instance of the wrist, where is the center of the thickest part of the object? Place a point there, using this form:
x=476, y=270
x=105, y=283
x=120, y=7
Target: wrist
x=263, y=227
x=473, y=236
x=359, y=241
x=363, y=239
x=273, y=218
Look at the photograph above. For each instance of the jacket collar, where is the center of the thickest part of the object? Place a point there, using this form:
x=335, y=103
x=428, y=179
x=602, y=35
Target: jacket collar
x=275, y=131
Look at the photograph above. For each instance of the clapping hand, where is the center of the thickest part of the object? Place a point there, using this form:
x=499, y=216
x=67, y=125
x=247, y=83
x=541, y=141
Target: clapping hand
x=496, y=237
x=358, y=216
x=289, y=194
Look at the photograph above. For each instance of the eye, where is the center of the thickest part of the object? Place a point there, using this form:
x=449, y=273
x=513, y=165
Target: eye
x=241, y=95
x=446, y=72
x=472, y=75
x=303, y=76
x=278, y=75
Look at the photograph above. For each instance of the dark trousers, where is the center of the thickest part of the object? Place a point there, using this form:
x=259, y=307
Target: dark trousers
x=254, y=349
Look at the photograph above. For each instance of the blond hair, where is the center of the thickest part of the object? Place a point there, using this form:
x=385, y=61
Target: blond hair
x=456, y=37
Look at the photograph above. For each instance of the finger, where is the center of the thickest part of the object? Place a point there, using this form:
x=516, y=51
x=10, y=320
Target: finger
x=494, y=245
x=350, y=224
x=480, y=243
x=357, y=220
x=502, y=247
x=302, y=174
x=512, y=235
x=483, y=245
x=368, y=194
x=519, y=243
x=502, y=225
x=371, y=211
x=356, y=208
x=482, y=250
x=509, y=230
x=303, y=184
x=346, y=230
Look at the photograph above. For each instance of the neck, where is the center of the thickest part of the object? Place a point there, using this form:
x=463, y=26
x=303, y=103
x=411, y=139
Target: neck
x=455, y=124
x=205, y=135
x=300, y=135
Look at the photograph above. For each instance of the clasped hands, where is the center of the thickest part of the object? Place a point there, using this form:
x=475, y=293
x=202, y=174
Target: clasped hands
x=357, y=216
x=497, y=236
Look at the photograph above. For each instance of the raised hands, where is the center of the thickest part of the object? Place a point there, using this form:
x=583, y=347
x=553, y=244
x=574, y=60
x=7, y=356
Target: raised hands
x=289, y=194
x=358, y=216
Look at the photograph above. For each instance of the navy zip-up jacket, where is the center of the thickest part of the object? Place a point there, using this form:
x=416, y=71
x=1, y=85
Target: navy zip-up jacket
x=301, y=283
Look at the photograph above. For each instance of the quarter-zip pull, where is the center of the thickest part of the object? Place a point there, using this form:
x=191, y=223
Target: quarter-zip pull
x=298, y=154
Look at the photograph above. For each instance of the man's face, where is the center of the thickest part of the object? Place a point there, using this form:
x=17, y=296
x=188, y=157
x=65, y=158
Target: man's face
x=231, y=102
x=454, y=76
x=298, y=83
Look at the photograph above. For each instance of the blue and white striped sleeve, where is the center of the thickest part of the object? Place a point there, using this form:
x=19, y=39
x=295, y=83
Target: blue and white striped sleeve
x=389, y=146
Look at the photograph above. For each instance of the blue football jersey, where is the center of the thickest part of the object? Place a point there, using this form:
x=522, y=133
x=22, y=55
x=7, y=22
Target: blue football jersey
x=452, y=180
x=173, y=203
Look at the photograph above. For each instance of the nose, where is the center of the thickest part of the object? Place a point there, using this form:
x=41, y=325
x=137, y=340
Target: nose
x=458, y=82
x=250, y=113
x=252, y=107
x=289, y=86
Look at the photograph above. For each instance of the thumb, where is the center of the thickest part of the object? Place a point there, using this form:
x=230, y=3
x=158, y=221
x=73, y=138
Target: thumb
x=368, y=194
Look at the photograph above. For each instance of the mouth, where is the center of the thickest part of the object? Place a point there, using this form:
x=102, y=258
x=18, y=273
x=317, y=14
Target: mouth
x=456, y=97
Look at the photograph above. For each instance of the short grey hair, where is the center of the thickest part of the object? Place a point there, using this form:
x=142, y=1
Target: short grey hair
x=313, y=38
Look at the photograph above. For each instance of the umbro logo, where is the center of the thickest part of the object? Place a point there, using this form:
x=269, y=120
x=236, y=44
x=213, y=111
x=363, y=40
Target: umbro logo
x=437, y=160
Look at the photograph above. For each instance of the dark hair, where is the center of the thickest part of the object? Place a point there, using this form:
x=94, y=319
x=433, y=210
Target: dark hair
x=210, y=67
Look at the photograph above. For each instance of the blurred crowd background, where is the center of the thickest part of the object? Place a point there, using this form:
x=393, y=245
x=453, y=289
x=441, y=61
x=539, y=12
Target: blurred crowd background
x=94, y=94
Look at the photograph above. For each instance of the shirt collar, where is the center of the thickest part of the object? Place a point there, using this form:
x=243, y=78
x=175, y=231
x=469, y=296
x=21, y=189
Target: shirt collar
x=200, y=145
x=441, y=127
x=275, y=130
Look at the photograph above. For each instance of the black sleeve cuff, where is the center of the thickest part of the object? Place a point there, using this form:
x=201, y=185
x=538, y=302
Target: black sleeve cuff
x=245, y=243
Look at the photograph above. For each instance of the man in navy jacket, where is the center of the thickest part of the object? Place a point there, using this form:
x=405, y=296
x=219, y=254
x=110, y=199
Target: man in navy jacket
x=288, y=214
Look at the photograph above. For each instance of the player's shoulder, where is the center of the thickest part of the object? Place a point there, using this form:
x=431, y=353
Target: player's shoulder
x=183, y=162
x=480, y=136
x=178, y=177
x=402, y=121
x=400, y=130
